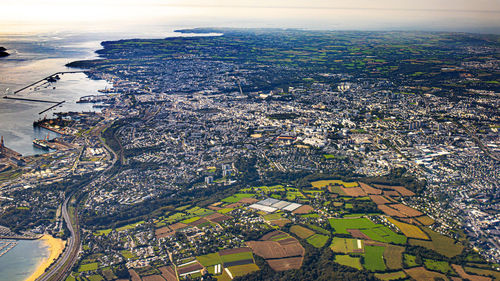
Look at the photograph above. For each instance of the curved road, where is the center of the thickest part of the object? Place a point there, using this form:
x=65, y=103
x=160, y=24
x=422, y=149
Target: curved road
x=63, y=265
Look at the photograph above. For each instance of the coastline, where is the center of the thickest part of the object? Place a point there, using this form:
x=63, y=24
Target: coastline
x=56, y=247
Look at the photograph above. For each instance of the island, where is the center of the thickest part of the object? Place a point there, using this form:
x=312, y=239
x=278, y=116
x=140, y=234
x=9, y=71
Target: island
x=3, y=52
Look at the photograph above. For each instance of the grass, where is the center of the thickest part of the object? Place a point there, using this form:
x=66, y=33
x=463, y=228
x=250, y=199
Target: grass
x=88, y=267
x=129, y=226
x=318, y=240
x=384, y=234
x=301, y=232
x=348, y=261
x=128, y=255
x=442, y=244
x=318, y=229
x=440, y=266
x=237, y=257
x=190, y=220
x=393, y=256
x=103, y=232
x=341, y=225
x=409, y=260
x=329, y=156
x=210, y=259
x=241, y=270
x=398, y=275
x=374, y=260
x=95, y=278
x=410, y=231
x=323, y=183
x=274, y=216
x=237, y=197
x=225, y=210
x=347, y=245
x=175, y=217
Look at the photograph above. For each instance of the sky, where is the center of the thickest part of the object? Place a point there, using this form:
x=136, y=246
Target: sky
x=21, y=16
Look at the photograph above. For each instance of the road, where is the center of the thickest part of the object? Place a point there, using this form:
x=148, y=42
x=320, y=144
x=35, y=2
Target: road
x=62, y=267
x=65, y=262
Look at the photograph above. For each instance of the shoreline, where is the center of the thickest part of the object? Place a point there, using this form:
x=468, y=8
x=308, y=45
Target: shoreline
x=56, y=247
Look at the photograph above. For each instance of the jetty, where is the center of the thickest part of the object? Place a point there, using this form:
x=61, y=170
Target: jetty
x=44, y=79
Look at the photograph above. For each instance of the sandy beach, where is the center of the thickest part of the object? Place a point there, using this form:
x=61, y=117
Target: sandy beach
x=56, y=247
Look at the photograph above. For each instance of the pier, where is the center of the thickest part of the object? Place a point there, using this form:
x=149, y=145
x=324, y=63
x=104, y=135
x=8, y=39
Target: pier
x=33, y=100
x=55, y=105
x=34, y=83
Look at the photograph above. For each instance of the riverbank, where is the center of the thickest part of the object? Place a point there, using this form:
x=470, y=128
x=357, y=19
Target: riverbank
x=56, y=247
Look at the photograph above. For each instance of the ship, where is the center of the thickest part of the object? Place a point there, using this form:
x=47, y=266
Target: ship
x=42, y=143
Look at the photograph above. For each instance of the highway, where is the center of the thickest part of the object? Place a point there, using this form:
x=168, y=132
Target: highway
x=65, y=262
x=62, y=267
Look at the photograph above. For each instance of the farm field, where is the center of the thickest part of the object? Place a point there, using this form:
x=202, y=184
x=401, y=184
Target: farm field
x=242, y=270
x=393, y=256
x=323, y=183
x=439, y=243
x=237, y=197
x=421, y=274
x=374, y=259
x=318, y=240
x=391, y=276
x=347, y=245
x=410, y=231
x=341, y=225
x=440, y=266
x=348, y=261
x=301, y=232
x=88, y=267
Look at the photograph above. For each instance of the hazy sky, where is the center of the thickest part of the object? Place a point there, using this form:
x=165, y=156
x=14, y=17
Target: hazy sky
x=457, y=15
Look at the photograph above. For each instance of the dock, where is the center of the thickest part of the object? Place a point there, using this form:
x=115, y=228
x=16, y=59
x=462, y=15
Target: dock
x=33, y=100
x=55, y=105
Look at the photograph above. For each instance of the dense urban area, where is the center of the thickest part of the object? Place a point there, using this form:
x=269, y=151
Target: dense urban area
x=261, y=154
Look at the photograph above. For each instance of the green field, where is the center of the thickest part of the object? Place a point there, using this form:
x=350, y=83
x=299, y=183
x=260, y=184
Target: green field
x=348, y=261
x=128, y=255
x=341, y=225
x=103, y=232
x=190, y=220
x=129, y=226
x=199, y=211
x=409, y=260
x=391, y=276
x=210, y=259
x=347, y=245
x=237, y=197
x=88, y=267
x=323, y=183
x=442, y=244
x=237, y=257
x=318, y=240
x=374, y=259
x=301, y=232
x=95, y=278
x=175, y=217
x=241, y=270
x=384, y=234
x=440, y=266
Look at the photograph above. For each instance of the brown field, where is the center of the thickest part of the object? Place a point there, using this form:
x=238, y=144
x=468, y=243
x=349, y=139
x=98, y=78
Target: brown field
x=281, y=222
x=164, y=232
x=391, y=193
x=356, y=233
x=271, y=235
x=286, y=263
x=393, y=256
x=305, y=209
x=153, y=278
x=354, y=191
x=390, y=211
x=189, y=268
x=369, y=190
x=460, y=270
x=248, y=200
x=400, y=189
x=302, y=232
x=234, y=251
x=198, y=222
x=425, y=220
x=168, y=273
x=410, y=231
x=420, y=273
x=133, y=275
x=267, y=249
x=481, y=271
x=214, y=208
x=406, y=210
x=379, y=199
x=234, y=205
x=178, y=225
x=410, y=221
